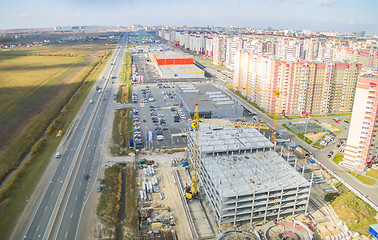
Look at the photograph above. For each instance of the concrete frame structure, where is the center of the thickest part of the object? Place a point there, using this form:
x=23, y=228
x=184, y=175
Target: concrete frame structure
x=243, y=179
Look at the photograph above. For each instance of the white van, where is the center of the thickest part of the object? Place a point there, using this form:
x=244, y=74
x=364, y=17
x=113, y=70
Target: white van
x=57, y=155
x=91, y=101
x=160, y=137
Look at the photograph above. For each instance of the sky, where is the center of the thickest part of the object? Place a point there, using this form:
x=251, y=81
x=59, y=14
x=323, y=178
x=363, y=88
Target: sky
x=316, y=15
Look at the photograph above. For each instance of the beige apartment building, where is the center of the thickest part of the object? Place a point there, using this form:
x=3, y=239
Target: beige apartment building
x=219, y=50
x=304, y=86
x=362, y=147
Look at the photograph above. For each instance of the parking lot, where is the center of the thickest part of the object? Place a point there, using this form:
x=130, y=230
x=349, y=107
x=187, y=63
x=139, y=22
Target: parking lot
x=154, y=121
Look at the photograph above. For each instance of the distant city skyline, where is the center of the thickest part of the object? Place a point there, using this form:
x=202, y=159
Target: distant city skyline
x=316, y=15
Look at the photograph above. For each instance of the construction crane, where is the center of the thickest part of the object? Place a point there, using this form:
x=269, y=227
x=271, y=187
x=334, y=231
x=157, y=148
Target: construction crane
x=275, y=118
x=191, y=191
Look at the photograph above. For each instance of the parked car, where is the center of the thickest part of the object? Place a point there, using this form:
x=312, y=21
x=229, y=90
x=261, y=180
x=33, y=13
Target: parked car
x=99, y=188
x=330, y=154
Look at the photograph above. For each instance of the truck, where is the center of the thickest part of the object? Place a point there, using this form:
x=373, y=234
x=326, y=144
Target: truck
x=301, y=151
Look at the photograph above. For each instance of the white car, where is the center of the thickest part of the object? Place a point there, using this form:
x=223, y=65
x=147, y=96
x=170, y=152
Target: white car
x=160, y=137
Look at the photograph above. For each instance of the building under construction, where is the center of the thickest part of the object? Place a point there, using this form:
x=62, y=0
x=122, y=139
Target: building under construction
x=243, y=178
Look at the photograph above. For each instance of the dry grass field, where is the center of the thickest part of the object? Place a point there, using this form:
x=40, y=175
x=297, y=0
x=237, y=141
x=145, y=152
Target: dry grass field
x=32, y=81
x=36, y=84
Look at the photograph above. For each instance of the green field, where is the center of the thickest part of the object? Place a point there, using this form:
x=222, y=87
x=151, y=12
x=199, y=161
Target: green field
x=42, y=91
x=372, y=173
x=357, y=214
x=122, y=132
x=338, y=158
x=364, y=179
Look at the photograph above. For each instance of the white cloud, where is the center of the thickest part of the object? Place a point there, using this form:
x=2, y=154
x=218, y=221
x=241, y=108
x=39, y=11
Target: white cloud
x=24, y=15
x=351, y=22
x=325, y=2
x=235, y=2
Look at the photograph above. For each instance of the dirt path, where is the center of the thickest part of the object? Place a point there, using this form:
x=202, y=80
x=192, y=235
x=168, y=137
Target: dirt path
x=164, y=173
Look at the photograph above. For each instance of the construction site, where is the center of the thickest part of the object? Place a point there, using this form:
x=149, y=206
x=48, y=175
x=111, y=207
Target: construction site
x=246, y=190
x=243, y=178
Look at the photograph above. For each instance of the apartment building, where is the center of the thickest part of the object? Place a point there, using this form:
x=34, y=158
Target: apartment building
x=311, y=49
x=232, y=46
x=368, y=59
x=223, y=48
x=362, y=148
x=304, y=86
x=219, y=50
x=209, y=47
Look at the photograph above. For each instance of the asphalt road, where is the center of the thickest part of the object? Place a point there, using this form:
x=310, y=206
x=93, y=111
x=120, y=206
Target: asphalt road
x=58, y=213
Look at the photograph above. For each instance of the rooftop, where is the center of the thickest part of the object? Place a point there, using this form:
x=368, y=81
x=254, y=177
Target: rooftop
x=206, y=95
x=171, y=54
x=213, y=138
x=187, y=68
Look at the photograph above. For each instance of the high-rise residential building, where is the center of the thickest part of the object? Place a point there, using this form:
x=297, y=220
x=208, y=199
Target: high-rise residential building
x=311, y=49
x=368, y=59
x=362, y=148
x=232, y=46
x=360, y=34
x=282, y=44
x=304, y=86
x=219, y=50
x=209, y=47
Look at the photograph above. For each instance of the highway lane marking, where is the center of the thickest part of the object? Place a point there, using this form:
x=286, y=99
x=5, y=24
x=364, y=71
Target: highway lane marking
x=52, y=193
x=45, y=208
x=66, y=235
x=71, y=215
x=76, y=198
x=37, y=228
